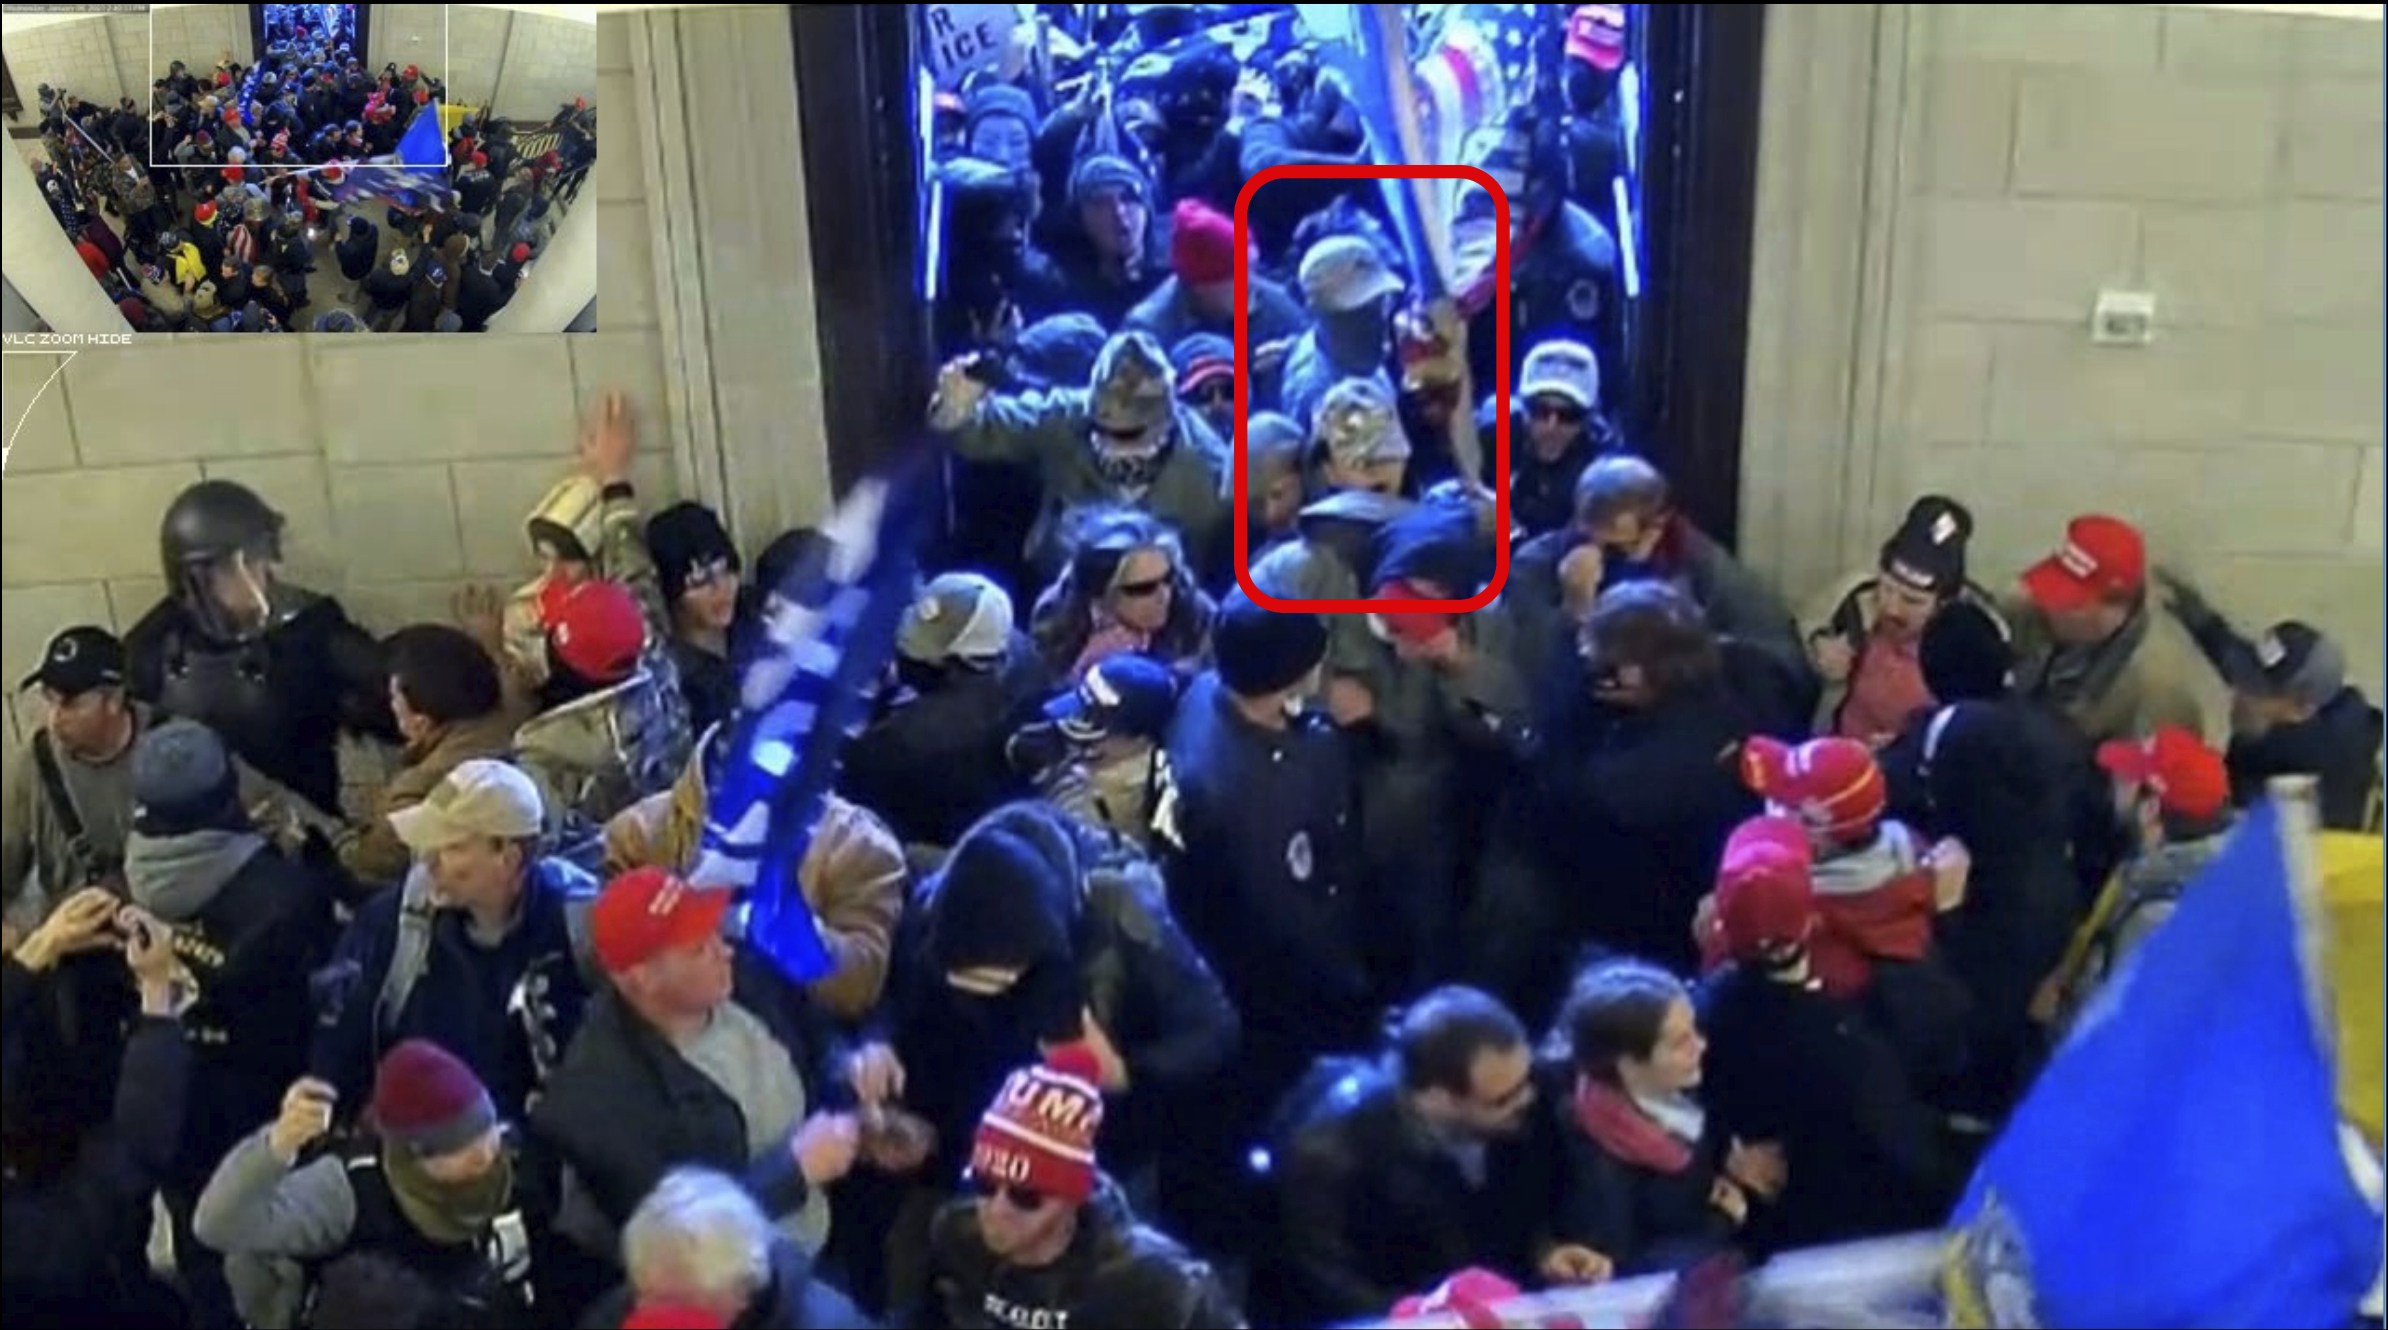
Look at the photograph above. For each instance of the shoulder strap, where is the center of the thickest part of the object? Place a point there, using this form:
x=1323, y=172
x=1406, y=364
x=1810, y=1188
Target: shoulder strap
x=410, y=954
x=53, y=783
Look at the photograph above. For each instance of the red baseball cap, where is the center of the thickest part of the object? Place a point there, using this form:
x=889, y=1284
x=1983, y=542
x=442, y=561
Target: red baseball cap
x=595, y=628
x=2102, y=556
x=647, y=912
x=1831, y=785
x=2188, y=777
x=1409, y=626
x=1765, y=888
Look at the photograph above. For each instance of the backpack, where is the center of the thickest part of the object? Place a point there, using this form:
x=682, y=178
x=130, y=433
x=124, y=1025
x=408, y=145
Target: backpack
x=410, y=953
x=495, y=1295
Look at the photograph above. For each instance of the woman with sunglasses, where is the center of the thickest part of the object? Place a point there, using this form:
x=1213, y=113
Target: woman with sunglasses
x=1125, y=589
x=1047, y=1239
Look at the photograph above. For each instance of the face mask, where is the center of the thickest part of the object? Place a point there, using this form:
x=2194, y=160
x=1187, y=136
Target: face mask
x=1129, y=468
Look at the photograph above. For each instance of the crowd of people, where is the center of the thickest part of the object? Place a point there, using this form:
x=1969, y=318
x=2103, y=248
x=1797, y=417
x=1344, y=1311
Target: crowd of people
x=206, y=213
x=1192, y=963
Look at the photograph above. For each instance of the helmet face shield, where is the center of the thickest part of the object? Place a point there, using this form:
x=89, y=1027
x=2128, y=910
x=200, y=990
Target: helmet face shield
x=235, y=595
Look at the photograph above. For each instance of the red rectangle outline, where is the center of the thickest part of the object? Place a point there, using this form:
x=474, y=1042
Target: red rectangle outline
x=1240, y=447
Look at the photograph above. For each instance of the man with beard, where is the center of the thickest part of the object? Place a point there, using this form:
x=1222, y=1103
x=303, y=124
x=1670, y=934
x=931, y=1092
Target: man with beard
x=1865, y=634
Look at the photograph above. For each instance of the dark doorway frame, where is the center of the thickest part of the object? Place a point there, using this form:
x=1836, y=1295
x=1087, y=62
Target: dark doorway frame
x=854, y=82
x=363, y=37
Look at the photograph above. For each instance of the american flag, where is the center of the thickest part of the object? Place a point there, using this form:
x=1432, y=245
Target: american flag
x=831, y=632
x=1474, y=64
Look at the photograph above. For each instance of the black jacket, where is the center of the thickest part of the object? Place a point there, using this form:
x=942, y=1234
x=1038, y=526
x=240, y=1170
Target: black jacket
x=75, y=1252
x=249, y=951
x=1789, y=1064
x=1129, y=965
x=2339, y=745
x=932, y=764
x=1641, y=1219
x=624, y=1108
x=1373, y=1209
x=1115, y=1272
x=794, y=1298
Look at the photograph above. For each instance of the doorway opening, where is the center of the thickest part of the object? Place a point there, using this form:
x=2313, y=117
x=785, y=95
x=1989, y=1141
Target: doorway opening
x=1639, y=119
x=342, y=26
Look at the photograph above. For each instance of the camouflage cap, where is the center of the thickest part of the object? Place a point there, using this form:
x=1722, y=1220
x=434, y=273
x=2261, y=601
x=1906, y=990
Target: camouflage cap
x=1132, y=384
x=1357, y=423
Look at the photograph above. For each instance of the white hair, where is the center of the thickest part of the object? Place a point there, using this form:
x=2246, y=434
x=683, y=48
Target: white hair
x=697, y=1235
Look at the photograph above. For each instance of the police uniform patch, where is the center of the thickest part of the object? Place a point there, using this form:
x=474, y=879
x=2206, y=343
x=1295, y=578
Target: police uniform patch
x=1583, y=299
x=1298, y=860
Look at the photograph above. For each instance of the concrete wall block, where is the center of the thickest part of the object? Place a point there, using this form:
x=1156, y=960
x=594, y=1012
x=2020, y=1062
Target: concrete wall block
x=31, y=615
x=385, y=607
x=2119, y=134
x=2371, y=513
x=1970, y=119
x=92, y=524
x=2201, y=498
x=135, y=404
x=129, y=598
x=2213, y=43
x=2328, y=48
x=2319, y=382
x=2108, y=36
x=2345, y=596
x=2324, y=263
x=2205, y=264
x=398, y=523
x=33, y=410
x=625, y=266
x=299, y=489
x=2051, y=386
x=421, y=401
x=613, y=44
x=2038, y=260
x=632, y=362
x=2009, y=488
x=492, y=500
x=2334, y=135
x=1948, y=383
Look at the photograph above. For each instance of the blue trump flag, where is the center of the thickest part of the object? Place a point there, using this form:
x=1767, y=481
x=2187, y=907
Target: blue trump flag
x=828, y=633
x=416, y=175
x=2179, y=1163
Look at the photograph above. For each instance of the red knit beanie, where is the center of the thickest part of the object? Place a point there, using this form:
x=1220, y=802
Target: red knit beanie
x=427, y=1101
x=1201, y=244
x=521, y=253
x=1039, y=1134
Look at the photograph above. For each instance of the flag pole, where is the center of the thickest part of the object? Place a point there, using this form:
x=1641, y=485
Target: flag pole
x=2298, y=800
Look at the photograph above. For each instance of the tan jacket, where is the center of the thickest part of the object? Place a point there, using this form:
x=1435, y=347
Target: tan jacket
x=372, y=852
x=2165, y=681
x=854, y=877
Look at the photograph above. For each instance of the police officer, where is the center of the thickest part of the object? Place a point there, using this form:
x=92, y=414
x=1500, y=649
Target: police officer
x=277, y=670
x=1255, y=826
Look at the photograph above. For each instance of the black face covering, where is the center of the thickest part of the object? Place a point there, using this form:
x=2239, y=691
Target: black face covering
x=1130, y=471
x=921, y=676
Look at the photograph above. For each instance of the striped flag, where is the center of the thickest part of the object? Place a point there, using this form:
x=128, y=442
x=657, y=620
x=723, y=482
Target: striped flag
x=829, y=633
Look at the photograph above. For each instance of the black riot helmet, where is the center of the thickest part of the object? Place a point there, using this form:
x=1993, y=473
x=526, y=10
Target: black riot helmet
x=219, y=542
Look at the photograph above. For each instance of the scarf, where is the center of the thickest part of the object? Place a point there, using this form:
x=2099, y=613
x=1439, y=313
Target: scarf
x=2074, y=675
x=174, y=877
x=1619, y=1125
x=450, y=1214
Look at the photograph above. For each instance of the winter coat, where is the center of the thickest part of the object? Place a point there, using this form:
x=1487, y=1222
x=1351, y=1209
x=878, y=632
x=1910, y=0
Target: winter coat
x=1115, y=1272
x=1846, y=610
x=1374, y=1208
x=1128, y=966
x=600, y=753
x=853, y=876
x=1052, y=432
x=2149, y=674
x=371, y=852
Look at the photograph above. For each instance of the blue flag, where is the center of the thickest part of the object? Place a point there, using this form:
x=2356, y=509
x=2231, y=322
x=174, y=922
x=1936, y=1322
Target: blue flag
x=415, y=176
x=829, y=635
x=2179, y=1163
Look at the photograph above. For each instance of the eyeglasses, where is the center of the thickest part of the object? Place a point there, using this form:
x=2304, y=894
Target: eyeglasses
x=1019, y=1198
x=1149, y=587
x=1565, y=413
x=1214, y=394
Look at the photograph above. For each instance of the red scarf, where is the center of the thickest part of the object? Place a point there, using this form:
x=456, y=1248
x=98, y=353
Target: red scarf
x=1610, y=1119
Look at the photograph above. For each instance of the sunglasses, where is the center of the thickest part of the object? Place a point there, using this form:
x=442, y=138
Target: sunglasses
x=1132, y=434
x=1563, y=412
x=1019, y=1198
x=1214, y=394
x=1139, y=590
